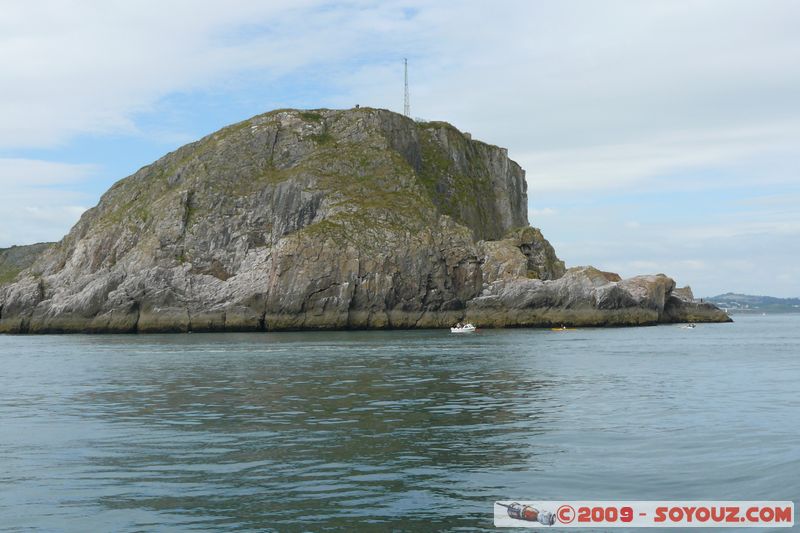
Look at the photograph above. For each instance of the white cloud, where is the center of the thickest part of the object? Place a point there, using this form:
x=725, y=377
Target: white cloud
x=587, y=96
x=543, y=212
x=531, y=76
x=38, y=201
x=625, y=165
x=17, y=172
x=747, y=251
x=77, y=67
x=732, y=230
x=55, y=214
x=543, y=76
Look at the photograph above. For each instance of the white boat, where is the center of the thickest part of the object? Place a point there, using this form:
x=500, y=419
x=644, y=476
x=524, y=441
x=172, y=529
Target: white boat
x=466, y=328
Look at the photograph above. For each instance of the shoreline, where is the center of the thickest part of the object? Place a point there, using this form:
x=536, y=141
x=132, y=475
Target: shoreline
x=20, y=327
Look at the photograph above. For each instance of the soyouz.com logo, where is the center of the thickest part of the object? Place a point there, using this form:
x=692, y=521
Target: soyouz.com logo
x=609, y=514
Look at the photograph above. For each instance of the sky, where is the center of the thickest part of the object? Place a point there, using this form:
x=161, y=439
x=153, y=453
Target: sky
x=657, y=136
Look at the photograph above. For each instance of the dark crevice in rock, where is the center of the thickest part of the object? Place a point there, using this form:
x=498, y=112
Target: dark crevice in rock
x=136, y=308
x=186, y=200
x=274, y=144
x=351, y=305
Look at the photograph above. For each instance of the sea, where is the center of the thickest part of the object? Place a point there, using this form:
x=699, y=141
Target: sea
x=416, y=430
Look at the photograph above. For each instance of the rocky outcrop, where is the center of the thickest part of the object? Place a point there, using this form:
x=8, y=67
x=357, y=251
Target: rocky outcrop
x=523, y=253
x=681, y=306
x=584, y=296
x=319, y=220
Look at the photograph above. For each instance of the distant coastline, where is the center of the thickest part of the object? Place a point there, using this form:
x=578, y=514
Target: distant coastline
x=752, y=304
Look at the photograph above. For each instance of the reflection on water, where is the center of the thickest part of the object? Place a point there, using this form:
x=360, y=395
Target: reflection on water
x=388, y=430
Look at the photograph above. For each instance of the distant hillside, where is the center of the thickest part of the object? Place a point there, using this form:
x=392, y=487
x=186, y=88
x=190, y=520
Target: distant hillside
x=747, y=303
x=17, y=258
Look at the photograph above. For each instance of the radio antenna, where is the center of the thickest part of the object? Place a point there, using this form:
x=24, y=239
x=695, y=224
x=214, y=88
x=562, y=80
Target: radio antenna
x=406, y=103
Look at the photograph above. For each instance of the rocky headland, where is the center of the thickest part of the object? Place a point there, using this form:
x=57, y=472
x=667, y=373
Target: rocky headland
x=321, y=219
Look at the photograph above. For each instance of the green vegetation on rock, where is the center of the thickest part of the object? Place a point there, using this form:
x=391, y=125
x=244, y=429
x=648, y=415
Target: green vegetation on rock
x=17, y=258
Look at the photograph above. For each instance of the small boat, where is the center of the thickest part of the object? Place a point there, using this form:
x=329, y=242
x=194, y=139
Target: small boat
x=463, y=328
x=562, y=328
x=689, y=326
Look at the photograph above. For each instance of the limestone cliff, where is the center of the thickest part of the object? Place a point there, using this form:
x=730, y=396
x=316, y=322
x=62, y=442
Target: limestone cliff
x=319, y=219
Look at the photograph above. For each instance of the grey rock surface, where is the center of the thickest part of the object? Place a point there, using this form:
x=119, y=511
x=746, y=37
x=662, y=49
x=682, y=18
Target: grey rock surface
x=320, y=219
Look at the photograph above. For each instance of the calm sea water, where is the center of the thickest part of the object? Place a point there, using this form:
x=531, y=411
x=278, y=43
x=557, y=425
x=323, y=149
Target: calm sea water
x=381, y=431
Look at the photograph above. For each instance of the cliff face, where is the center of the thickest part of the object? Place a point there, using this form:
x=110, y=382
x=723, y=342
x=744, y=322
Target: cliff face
x=320, y=219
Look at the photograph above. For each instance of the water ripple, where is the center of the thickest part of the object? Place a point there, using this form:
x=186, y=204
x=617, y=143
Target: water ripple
x=389, y=430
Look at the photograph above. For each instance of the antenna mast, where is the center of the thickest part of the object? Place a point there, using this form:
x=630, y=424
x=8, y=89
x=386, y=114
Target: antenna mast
x=406, y=103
